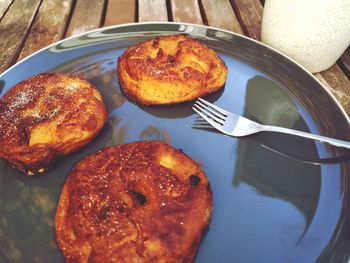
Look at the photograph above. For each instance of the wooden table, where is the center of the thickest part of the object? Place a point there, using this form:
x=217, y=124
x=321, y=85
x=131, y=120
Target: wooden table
x=28, y=25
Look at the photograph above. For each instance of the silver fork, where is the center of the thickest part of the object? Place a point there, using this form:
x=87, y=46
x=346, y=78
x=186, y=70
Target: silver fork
x=238, y=126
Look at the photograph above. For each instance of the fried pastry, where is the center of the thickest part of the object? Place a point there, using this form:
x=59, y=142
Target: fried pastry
x=169, y=70
x=46, y=116
x=139, y=202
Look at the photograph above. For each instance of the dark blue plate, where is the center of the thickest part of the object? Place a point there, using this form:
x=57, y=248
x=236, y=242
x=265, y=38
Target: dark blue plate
x=276, y=198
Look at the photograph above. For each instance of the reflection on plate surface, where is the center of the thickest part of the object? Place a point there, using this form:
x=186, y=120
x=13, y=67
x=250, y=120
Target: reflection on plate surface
x=271, y=203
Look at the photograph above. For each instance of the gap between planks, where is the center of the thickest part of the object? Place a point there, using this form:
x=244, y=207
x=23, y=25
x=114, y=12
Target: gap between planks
x=49, y=25
x=14, y=30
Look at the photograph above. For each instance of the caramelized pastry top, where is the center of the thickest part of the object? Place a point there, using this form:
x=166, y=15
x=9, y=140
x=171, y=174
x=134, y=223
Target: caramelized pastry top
x=137, y=202
x=48, y=115
x=170, y=69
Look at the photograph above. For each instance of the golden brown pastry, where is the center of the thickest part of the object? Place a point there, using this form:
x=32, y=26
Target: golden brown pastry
x=137, y=202
x=170, y=69
x=46, y=116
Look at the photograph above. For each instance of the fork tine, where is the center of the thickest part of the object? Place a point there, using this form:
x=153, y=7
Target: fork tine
x=222, y=111
x=207, y=114
x=216, y=113
x=199, y=118
x=210, y=121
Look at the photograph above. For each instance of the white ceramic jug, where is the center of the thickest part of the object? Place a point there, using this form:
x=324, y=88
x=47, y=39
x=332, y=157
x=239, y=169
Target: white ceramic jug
x=314, y=33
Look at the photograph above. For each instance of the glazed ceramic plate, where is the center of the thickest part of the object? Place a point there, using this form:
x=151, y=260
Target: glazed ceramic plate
x=276, y=198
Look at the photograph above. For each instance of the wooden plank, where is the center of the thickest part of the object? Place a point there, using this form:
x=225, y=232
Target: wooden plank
x=86, y=16
x=345, y=61
x=338, y=84
x=49, y=25
x=4, y=5
x=249, y=14
x=220, y=14
x=152, y=10
x=119, y=12
x=13, y=29
x=186, y=11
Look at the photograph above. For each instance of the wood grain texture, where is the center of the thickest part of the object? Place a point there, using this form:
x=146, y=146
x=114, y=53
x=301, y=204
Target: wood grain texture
x=120, y=12
x=220, y=14
x=49, y=25
x=345, y=61
x=152, y=10
x=86, y=16
x=338, y=84
x=13, y=29
x=4, y=5
x=249, y=14
x=186, y=11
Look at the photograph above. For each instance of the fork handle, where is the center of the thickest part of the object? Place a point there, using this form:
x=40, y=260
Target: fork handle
x=335, y=142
